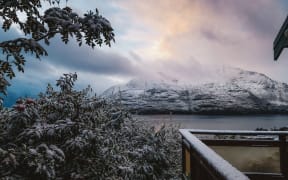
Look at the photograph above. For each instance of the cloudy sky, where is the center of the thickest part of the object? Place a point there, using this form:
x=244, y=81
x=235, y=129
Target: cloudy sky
x=182, y=39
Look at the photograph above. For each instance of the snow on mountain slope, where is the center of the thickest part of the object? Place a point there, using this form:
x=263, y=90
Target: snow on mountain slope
x=237, y=91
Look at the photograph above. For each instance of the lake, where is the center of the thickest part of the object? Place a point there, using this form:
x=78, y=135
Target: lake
x=231, y=122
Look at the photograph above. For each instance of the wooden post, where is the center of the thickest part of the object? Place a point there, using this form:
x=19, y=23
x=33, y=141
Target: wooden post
x=283, y=156
x=186, y=159
x=183, y=157
x=193, y=166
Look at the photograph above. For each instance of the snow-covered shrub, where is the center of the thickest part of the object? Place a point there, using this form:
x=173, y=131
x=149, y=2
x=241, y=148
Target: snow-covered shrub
x=69, y=134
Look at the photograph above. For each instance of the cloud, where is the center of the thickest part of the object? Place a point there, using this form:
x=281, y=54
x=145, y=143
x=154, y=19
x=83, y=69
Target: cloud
x=135, y=56
x=232, y=33
x=172, y=19
x=260, y=17
x=87, y=59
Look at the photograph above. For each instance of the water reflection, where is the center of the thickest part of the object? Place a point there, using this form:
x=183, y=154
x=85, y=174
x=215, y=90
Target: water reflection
x=249, y=122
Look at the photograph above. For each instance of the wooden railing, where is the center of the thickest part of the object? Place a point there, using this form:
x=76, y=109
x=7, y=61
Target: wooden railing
x=200, y=162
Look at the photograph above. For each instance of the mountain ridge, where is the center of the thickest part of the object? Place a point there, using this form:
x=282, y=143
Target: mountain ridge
x=239, y=92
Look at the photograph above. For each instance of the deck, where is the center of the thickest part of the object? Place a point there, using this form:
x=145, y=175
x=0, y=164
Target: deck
x=234, y=155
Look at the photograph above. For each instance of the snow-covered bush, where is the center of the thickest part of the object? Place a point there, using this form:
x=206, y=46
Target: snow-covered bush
x=69, y=134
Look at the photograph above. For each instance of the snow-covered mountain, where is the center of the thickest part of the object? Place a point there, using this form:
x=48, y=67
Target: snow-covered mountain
x=238, y=91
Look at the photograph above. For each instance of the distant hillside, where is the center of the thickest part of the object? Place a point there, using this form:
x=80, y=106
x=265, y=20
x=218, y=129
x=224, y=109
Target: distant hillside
x=239, y=92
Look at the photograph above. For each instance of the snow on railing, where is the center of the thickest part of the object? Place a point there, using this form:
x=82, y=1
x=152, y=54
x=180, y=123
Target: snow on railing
x=233, y=132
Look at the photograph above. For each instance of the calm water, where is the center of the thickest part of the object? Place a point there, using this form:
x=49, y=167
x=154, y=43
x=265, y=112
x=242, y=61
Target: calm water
x=247, y=122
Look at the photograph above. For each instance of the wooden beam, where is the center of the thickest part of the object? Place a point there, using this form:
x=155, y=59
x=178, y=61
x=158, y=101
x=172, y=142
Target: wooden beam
x=246, y=143
x=281, y=41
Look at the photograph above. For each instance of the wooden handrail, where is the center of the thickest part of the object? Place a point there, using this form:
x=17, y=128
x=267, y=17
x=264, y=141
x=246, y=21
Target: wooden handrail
x=216, y=166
